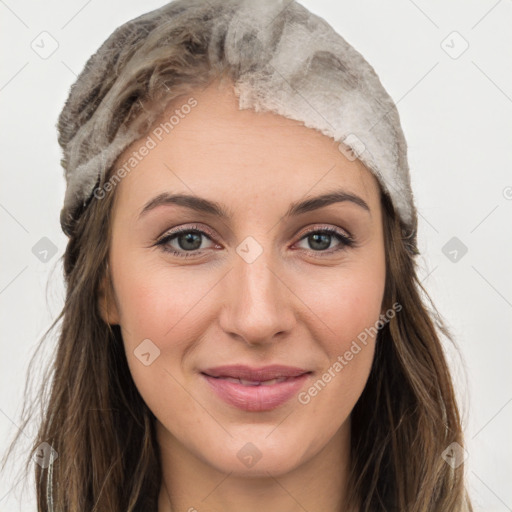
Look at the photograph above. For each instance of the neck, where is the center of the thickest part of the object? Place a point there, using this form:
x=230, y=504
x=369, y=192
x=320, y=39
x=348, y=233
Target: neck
x=192, y=485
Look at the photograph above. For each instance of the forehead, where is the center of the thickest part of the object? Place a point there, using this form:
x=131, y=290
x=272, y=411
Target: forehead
x=214, y=149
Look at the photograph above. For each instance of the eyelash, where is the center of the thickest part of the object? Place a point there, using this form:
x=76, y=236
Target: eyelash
x=345, y=240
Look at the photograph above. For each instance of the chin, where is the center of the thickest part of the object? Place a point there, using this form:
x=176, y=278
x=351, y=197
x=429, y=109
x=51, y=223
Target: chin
x=275, y=465
x=257, y=458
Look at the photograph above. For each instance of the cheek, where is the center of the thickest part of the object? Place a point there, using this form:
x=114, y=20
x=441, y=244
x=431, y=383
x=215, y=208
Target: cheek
x=152, y=302
x=347, y=308
x=164, y=307
x=345, y=304
x=156, y=309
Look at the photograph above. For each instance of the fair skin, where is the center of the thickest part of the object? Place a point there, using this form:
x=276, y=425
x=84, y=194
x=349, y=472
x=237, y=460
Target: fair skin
x=299, y=303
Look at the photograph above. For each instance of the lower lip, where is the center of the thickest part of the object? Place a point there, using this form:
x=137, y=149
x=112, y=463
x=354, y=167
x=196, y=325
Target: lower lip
x=256, y=398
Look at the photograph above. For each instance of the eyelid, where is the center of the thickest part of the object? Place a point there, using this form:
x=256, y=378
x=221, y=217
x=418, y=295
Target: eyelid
x=186, y=228
x=211, y=235
x=331, y=229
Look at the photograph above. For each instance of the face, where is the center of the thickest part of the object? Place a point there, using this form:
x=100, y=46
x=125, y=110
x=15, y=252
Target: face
x=268, y=284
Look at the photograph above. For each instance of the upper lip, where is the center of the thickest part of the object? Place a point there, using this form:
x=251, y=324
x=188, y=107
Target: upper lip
x=255, y=374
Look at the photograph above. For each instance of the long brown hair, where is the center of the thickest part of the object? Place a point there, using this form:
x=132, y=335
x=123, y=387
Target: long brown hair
x=407, y=415
x=103, y=432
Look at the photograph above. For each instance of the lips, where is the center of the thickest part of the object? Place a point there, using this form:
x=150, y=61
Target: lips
x=247, y=373
x=255, y=389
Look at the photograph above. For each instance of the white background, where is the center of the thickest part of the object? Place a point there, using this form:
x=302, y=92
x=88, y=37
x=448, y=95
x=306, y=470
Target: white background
x=456, y=115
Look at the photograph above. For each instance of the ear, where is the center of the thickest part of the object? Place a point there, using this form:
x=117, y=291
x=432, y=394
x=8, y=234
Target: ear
x=106, y=302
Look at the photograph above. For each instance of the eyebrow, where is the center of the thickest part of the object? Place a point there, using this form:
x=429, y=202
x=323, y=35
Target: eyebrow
x=202, y=205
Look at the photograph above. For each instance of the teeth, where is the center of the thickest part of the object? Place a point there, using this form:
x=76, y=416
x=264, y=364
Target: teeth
x=262, y=383
x=230, y=379
x=274, y=381
x=255, y=383
x=249, y=382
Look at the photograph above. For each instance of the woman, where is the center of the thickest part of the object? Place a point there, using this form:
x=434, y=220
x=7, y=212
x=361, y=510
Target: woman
x=244, y=328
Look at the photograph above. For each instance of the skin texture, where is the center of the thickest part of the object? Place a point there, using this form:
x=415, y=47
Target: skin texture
x=293, y=305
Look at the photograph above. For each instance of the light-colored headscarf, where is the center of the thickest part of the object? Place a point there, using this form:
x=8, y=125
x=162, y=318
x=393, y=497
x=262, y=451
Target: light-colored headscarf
x=281, y=57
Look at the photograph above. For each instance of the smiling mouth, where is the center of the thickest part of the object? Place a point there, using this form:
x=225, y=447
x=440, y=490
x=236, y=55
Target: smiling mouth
x=256, y=390
x=244, y=382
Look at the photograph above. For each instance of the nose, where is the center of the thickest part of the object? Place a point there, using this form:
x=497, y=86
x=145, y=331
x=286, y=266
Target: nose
x=258, y=306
